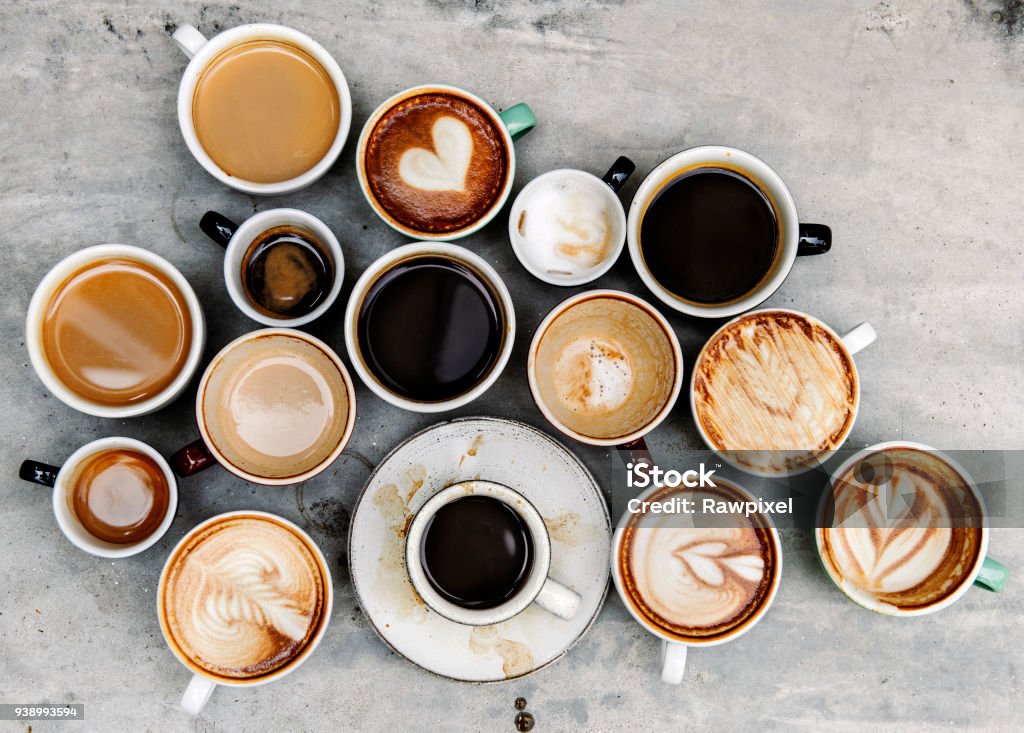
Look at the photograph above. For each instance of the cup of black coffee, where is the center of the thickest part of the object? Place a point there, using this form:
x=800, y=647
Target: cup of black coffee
x=429, y=327
x=282, y=267
x=478, y=553
x=713, y=232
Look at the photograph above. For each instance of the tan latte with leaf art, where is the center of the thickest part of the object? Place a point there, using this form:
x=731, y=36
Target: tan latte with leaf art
x=242, y=597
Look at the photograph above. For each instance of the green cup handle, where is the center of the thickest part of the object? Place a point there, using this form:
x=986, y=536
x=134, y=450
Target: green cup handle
x=519, y=119
x=992, y=575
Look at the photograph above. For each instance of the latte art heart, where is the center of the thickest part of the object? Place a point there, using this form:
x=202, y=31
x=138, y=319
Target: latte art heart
x=445, y=168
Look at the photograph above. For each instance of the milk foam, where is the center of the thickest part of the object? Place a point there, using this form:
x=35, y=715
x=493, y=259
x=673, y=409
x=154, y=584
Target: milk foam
x=444, y=168
x=593, y=375
x=564, y=227
x=244, y=598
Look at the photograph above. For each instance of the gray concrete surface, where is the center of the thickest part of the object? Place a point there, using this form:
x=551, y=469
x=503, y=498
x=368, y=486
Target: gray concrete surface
x=898, y=123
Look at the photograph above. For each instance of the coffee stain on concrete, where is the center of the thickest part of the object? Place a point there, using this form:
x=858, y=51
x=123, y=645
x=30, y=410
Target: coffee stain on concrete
x=516, y=657
x=887, y=18
x=1006, y=17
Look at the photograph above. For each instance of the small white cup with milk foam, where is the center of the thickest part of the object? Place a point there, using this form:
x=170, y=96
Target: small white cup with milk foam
x=567, y=227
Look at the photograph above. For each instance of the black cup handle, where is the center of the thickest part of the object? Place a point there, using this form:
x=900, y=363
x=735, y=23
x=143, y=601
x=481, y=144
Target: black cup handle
x=618, y=173
x=815, y=239
x=39, y=473
x=218, y=227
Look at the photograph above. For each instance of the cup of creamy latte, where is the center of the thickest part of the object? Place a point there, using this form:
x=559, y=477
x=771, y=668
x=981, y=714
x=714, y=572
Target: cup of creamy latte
x=902, y=531
x=265, y=109
x=693, y=581
x=274, y=407
x=436, y=162
x=775, y=392
x=244, y=599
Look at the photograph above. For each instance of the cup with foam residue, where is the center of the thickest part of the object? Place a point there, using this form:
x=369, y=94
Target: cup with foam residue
x=567, y=227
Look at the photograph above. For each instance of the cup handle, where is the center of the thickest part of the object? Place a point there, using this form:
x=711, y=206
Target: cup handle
x=196, y=694
x=192, y=459
x=38, y=473
x=637, y=452
x=189, y=39
x=519, y=120
x=616, y=176
x=673, y=662
x=557, y=599
x=992, y=575
x=815, y=239
x=218, y=227
x=859, y=338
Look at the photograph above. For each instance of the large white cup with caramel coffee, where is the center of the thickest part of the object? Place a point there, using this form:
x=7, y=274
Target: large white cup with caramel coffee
x=694, y=580
x=775, y=392
x=115, y=331
x=265, y=109
x=244, y=599
x=436, y=162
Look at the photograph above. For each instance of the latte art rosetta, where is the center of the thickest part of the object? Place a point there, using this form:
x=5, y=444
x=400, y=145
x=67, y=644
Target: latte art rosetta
x=243, y=598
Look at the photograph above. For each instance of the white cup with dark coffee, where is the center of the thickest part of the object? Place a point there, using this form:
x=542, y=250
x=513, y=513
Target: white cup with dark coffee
x=244, y=599
x=713, y=231
x=692, y=581
x=478, y=553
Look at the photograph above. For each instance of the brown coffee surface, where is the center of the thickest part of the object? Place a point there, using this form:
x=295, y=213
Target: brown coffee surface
x=436, y=162
x=242, y=597
x=119, y=496
x=906, y=529
x=265, y=111
x=697, y=582
x=287, y=272
x=776, y=388
x=117, y=332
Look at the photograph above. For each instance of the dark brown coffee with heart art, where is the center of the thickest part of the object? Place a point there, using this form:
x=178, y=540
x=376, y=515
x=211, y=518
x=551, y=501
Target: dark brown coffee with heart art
x=436, y=162
x=287, y=272
x=117, y=332
x=709, y=236
x=119, y=496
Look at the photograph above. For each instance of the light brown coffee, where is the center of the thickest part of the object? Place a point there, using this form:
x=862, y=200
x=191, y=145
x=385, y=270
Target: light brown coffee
x=119, y=495
x=698, y=583
x=243, y=597
x=275, y=406
x=776, y=390
x=604, y=367
x=436, y=162
x=117, y=332
x=265, y=111
x=905, y=530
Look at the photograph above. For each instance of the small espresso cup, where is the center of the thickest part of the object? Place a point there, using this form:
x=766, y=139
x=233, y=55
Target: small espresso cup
x=537, y=587
x=760, y=429
x=425, y=175
x=110, y=339
x=62, y=480
x=568, y=227
x=708, y=568
x=203, y=52
x=274, y=407
x=605, y=368
x=248, y=600
x=792, y=237
x=903, y=531
x=465, y=325
x=237, y=239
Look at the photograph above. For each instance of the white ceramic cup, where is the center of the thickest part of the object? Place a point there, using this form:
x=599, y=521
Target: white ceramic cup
x=794, y=238
x=41, y=300
x=236, y=239
x=606, y=187
x=984, y=572
x=512, y=123
x=202, y=51
x=547, y=593
x=202, y=684
x=672, y=660
x=69, y=523
x=408, y=252
x=860, y=337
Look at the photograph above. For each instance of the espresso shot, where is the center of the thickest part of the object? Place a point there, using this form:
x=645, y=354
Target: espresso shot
x=287, y=272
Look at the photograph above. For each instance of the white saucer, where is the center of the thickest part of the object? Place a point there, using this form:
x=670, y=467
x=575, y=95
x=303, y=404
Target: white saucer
x=522, y=458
